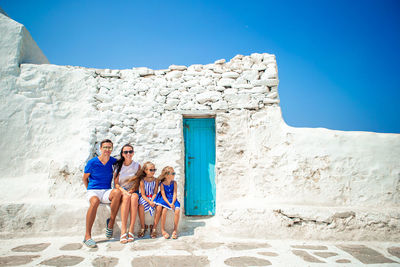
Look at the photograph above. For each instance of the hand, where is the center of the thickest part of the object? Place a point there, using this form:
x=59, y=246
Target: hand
x=152, y=204
x=172, y=206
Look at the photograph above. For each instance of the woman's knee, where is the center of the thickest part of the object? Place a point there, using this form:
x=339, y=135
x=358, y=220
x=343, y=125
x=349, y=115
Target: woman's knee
x=94, y=201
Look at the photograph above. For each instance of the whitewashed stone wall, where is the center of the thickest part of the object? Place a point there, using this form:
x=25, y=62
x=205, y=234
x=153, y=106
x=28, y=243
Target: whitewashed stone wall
x=272, y=180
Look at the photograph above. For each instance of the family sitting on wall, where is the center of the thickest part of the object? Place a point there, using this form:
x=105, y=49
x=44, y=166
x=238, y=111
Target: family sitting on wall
x=135, y=188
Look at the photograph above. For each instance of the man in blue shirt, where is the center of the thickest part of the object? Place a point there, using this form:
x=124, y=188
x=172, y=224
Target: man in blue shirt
x=97, y=179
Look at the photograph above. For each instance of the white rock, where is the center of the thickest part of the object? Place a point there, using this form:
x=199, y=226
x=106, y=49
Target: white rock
x=220, y=61
x=257, y=57
x=177, y=67
x=230, y=74
x=270, y=73
x=250, y=75
x=220, y=105
x=206, y=81
x=272, y=95
x=173, y=75
x=226, y=82
x=259, y=67
x=143, y=71
x=211, y=96
x=270, y=101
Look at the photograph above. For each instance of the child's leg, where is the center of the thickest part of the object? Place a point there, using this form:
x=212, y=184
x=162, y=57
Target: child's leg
x=134, y=209
x=163, y=219
x=176, y=219
x=157, y=216
x=141, y=215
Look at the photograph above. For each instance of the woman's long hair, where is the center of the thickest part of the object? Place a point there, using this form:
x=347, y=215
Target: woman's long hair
x=140, y=175
x=121, y=160
x=165, y=171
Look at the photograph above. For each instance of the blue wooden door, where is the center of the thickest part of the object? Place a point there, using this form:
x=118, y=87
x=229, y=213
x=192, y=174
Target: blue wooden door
x=199, y=136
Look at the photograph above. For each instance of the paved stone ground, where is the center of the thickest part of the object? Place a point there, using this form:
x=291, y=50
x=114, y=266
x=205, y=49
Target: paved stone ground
x=195, y=250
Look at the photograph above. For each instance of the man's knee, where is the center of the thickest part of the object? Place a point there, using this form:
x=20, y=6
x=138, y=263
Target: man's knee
x=115, y=194
x=94, y=201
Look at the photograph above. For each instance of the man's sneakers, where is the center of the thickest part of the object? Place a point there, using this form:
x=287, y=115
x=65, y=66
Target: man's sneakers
x=90, y=243
x=109, y=232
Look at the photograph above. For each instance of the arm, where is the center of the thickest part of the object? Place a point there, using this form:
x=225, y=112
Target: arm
x=118, y=186
x=155, y=191
x=175, y=193
x=85, y=179
x=143, y=193
x=163, y=195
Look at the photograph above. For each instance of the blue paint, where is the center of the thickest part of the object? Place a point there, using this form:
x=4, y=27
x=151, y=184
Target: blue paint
x=199, y=136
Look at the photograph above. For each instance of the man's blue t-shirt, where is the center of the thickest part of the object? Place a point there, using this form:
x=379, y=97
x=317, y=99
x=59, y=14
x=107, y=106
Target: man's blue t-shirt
x=100, y=175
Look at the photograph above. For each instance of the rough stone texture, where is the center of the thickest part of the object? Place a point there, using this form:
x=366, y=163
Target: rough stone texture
x=310, y=247
x=246, y=246
x=365, y=254
x=31, y=247
x=306, y=183
x=105, y=262
x=72, y=246
x=395, y=251
x=246, y=261
x=325, y=254
x=306, y=256
x=267, y=253
x=63, y=260
x=210, y=245
x=343, y=261
x=171, y=261
x=16, y=260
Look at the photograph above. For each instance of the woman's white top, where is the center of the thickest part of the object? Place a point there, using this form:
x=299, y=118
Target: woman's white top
x=127, y=172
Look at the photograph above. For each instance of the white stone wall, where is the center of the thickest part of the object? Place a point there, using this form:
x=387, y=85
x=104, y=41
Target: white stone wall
x=272, y=180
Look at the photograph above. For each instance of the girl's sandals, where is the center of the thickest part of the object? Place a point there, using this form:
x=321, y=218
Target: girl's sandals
x=141, y=233
x=130, y=237
x=124, y=238
x=174, y=235
x=165, y=235
x=153, y=233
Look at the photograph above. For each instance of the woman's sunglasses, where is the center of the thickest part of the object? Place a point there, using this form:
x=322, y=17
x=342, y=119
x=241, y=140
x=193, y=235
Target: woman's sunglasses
x=128, y=151
x=152, y=170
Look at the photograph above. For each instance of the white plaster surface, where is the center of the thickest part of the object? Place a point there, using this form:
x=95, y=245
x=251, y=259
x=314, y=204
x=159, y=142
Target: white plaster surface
x=272, y=180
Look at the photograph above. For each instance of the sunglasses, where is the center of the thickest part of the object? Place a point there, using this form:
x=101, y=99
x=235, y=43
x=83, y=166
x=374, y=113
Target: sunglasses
x=128, y=152
x=173, y=173
x=152, y=170
x=107, y=147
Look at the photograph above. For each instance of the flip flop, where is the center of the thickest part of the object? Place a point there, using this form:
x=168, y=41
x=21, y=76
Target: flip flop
x=153, y=233
x=90, y=243
x=109, y=232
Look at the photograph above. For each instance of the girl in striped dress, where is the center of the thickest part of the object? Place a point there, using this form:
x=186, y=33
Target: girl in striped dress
x=167, y=200
x=148, y=192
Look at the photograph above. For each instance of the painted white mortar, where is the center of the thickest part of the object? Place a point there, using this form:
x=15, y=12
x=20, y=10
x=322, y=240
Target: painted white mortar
x=272, y=180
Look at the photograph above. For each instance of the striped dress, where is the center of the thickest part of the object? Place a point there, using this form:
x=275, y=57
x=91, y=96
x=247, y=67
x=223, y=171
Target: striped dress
x=149, y=192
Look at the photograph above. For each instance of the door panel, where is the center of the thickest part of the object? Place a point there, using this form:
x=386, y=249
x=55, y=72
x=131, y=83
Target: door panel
x=199, y=136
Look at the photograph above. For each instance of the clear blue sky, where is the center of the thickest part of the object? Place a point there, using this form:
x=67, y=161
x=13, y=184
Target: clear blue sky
x=338, y=61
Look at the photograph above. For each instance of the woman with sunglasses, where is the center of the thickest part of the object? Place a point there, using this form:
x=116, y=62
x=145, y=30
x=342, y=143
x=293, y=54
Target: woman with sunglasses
x=124, y=180
x=148, y=192
x=167, y=200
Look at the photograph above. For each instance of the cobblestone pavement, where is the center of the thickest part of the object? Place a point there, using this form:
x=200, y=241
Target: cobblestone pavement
x=192, y=250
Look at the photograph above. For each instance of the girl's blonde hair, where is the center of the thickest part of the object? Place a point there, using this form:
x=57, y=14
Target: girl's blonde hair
x=165, y=171
x=135, y=180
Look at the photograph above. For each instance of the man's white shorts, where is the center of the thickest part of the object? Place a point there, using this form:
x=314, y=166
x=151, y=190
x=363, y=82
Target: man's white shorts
x=102, y=194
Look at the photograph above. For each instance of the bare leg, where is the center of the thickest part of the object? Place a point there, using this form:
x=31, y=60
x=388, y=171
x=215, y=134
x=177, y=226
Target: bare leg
x=157, y=216
x=125, y=207
x=141, y=215
x=176, y=219
x=91, y=216
x=134, y=209
x=115, y=198
x=163, y=219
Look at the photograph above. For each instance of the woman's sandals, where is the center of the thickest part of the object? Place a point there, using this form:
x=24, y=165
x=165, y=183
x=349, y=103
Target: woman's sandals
x=124, y=238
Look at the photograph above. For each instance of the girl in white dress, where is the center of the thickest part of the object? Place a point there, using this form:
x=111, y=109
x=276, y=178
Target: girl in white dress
x=124, y=175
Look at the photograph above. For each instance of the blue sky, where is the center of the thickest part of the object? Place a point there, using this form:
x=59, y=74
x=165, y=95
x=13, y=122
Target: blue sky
x=338, y=61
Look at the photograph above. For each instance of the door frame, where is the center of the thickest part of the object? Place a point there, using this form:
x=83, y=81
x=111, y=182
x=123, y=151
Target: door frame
x=197, y=116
